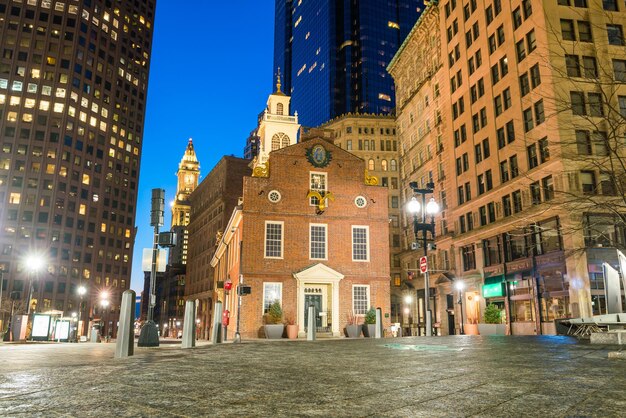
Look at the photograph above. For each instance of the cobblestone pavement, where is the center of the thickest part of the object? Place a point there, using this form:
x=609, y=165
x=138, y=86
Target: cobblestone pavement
x=401, y=377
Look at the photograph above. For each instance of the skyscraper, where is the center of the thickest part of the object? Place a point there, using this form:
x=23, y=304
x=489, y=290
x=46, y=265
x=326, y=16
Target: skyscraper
x=73, y=85
x=334, y=54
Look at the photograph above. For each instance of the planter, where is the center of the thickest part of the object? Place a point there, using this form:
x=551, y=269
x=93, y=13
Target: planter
x=369, y=330
x=292, y=332
x=353, y=331
x=470, y=329
x=491, y=329
x=274, y=331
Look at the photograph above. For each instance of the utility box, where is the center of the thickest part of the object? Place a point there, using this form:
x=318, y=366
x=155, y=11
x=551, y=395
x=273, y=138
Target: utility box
x=167, y=239
x=243, y=290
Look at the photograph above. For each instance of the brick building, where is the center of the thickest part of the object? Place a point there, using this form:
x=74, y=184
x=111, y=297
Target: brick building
x=212, y=203
x=300, y=250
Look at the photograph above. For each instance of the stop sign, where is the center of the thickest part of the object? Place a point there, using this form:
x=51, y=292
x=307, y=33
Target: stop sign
x=424, y=264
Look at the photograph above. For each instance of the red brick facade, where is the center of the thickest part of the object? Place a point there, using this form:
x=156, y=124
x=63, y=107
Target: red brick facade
x=289, y=174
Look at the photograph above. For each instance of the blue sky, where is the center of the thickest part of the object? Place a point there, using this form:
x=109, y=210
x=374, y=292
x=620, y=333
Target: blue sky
x=210, y=75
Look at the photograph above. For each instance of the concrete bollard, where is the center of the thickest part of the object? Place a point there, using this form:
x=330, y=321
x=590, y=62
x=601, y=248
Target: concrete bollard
x=379, y=323
x=189, y=338
x=216, y=332
x=125, y=345
x=310, y=333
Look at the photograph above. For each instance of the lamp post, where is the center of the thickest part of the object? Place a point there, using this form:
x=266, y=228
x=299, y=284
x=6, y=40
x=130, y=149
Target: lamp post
x=82, y=290
x=419, y=224
x=34, y=263
x=104, y=303
x=460, y=286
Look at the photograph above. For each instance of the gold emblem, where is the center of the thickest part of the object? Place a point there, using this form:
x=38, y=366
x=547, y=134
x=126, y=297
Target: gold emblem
x=262, y=170
x=321, y=200
x=370, y=180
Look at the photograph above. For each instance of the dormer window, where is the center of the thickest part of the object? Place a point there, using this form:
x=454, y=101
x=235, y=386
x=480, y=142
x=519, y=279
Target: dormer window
x=279, y=109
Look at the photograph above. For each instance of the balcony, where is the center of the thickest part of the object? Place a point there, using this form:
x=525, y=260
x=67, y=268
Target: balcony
x=280, y=118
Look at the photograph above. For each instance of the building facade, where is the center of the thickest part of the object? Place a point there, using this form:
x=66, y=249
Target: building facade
x=531, y=118
x=334, y=54
x=313, y=232
x=373, y=139
x=73, y=87
x=212, y=203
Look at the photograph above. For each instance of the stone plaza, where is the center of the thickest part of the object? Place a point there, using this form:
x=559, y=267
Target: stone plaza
x=412, y=376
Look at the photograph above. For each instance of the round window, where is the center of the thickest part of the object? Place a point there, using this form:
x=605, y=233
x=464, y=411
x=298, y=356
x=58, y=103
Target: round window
x=274, y=196
x=360, y=202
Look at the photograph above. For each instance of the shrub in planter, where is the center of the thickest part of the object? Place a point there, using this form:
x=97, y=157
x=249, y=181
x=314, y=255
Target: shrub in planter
x=369, y=326
x=353, y=328
x=274, y=326
x=492, y=314
x=492, y=322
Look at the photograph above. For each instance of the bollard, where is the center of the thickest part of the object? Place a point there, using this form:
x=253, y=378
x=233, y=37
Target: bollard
x=125, y=345
x=379, y=323
x=216, y=332
x=310, y=334
x=189, y=340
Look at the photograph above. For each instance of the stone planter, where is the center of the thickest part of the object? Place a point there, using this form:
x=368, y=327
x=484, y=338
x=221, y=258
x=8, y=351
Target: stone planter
x=353, y=331
x=491, y=329
x=470, y=329
x=274, y=331
x=369, y=330
x=292, y=332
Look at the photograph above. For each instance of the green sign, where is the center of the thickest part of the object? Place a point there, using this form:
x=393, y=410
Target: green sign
x=493, y=290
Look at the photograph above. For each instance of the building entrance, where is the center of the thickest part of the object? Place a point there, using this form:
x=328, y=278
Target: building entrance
x=316, y=301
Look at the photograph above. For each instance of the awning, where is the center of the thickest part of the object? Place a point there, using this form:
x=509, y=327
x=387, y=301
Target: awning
x=492, y=278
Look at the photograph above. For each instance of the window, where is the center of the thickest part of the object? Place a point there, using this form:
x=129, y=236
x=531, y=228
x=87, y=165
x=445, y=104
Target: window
x=590, y=67
x=360, y=243
x=547, y=185
x=544, y=151
x=578, y=103
x=588, y=180
x=531, y=41
x=528, y=9
x=540, y=115
x=517, y=18
x=513, y=166
x=584, y=31
x=273, y=239
x=517, y=201
x=468, y=257
x=615, y=34
x=622, y=105
x=535, y=76
x=524, y=84
x=532, y=156
x=486, y=152
x=596, y=107
x=528, y=119
x=583, y=142
x=535, y=193
x=360, y=299
x=567, y=30
x=272, y=292
x=619, y=70
x=317, y=242
x=506, y=205
x=610, y=5
x=504, y=171
x=572, y=65
x=606, y=230
x=318, y=184
x=607, y=184
x=520, y=50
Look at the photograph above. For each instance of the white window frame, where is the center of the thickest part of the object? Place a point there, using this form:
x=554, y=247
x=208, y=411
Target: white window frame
x=280, y=297
x=368, y=301
x=367, y=242
x=325, y=226
x=313, y=201
x=282, y=239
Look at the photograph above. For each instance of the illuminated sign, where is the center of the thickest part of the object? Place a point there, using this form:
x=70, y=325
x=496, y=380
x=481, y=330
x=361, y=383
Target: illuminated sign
x=493, y=290
x=41, y=326
x=62, y=330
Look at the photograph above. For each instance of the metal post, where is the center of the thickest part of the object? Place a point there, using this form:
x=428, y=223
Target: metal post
x=125, y=344
x=429, y=328
x=1, y=286
x=237, y=334
x=216, y=331
x=310, y=335
x=189, y=325
x=461, y=309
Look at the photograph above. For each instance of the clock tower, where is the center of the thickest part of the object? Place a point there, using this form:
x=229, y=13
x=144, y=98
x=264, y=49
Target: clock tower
x=188, y=176
x=277, y=127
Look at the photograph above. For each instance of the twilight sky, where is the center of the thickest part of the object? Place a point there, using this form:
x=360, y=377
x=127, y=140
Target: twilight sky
x=210, y=75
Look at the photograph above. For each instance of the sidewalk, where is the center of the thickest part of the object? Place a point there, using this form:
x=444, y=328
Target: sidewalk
x=412, y=376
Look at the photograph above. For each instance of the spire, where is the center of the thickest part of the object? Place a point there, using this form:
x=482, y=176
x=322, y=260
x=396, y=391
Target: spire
x=278, y=81
x=190, y=154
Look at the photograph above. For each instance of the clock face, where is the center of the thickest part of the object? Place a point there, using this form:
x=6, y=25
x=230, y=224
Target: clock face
x=189, y=179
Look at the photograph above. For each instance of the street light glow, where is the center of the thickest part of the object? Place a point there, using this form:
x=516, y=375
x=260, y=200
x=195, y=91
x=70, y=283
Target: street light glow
x=459, y=286
x=408, y=299
x=104, y=294
x=81, y=290
x=432, y=207
x=34, y=262
x=104, y=303
x=413, y=206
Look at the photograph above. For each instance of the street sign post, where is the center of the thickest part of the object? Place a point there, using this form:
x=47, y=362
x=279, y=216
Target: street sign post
x=424, y=264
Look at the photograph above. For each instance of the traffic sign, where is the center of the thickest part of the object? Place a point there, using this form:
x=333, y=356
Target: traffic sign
x=424, y=264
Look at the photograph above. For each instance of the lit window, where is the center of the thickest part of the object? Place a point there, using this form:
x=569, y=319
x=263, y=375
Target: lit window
x=58, y=107
x=44, y=105
x=82, y=209
x=273, y=239
x=14, y=198
x=318, y=184
x=272, y=292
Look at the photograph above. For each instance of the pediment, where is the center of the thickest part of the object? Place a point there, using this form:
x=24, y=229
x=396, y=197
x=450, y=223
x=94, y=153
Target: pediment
x=318, y=272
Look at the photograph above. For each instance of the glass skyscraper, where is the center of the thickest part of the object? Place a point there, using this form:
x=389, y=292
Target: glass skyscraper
x=333, y=54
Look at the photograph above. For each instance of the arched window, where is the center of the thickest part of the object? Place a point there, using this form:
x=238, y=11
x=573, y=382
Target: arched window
x=279, y=140
x=383, y=165
x=394, y=165
x=370, y=165
x=279, y=109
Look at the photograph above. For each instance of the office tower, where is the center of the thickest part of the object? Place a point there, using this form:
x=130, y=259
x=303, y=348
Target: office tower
x=334, y=54
x=73, y=86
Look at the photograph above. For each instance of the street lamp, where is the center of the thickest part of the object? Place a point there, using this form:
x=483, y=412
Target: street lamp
x=104, y=303
x=34, y=263
x=460, y=286
x=82, y=290
x=419, y=224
